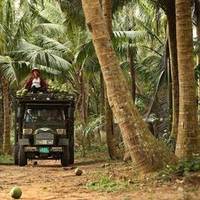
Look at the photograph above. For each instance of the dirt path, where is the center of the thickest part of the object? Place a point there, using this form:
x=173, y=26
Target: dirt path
x=49, y=181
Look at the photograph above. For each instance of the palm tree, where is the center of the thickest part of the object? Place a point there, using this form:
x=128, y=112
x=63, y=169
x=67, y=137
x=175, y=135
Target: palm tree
x=188, y=139
x=150, y=61
x=73, y=9
x=7, y=116
x=1, y=121
x=1, y=110
x=144, y=149
x=69, y=6
x=112, y=142
x=171, y=17
x=4, y=82
x=197, y=20
x=12, y=64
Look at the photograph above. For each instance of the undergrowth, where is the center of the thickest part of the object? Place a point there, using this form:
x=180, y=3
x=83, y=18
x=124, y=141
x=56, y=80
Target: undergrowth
x=6, y=159
x=184, y=167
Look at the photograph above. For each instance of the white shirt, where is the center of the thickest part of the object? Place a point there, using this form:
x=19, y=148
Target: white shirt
x=36, y=82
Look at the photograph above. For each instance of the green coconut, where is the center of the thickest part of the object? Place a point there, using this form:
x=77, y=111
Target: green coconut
x=16, y=192
x=78, y=171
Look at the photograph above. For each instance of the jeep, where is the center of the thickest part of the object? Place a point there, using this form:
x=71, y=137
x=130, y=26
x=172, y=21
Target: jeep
x=44, y=128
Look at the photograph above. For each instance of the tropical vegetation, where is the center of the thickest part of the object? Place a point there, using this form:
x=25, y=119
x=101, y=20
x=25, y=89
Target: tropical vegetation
x=130, y=64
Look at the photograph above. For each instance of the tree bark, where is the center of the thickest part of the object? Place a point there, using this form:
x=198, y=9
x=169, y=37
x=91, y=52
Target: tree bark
x=82, y=109
x=110, y=133
x=107, y=13
x=102, y=103
x=187, y=139
x=1, y=121
x=132, y=52
x=7, y=116
x=171, y=17
x=1, y=112
x=198, y=56
x=2, y=41
x=145, y=150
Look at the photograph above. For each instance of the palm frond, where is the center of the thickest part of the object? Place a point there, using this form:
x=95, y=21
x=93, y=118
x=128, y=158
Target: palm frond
x=118, y=4
x=85, y=50
x=38, y=55
x=51, y=43
x=91, y=64
x=151, y=33
x=49, y=28
x=73, y=13
x=7, y=68
x=52, y=13
x=126, y=35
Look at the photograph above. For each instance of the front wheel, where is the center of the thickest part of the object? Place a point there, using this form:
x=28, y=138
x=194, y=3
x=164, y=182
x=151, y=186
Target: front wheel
x=71, y=149
x=65, y=156
x=15, y=153
x=22, y=160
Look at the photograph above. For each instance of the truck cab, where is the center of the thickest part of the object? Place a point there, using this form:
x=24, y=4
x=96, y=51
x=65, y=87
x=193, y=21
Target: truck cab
x=44, y=128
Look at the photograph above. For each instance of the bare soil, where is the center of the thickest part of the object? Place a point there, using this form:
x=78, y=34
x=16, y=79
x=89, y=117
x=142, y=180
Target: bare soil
x=49, y=181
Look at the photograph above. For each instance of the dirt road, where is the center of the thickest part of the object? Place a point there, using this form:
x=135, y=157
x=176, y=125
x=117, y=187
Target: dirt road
x=45, y=181
x=49, y=181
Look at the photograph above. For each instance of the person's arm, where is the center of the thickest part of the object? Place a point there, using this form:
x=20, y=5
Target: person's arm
x=44, y=84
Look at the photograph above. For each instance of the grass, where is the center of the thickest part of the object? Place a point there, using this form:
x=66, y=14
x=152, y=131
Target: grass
x=106, y=184
x=6, y=159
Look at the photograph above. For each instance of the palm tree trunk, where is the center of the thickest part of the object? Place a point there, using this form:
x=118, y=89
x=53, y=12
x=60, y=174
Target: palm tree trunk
x=171, y=16
x=2, y=42
x=187, y=139
x=131, y=56
x=198, y=56
x=110, y=133
x=169, y=84
x=1, y=121
x=110, y=136
x=145, y=150
x=7, y=116
x=1, y=10
x=102, y=103
x=132, y=52
x=1, y=109
x=84, y=109
x=107, y=13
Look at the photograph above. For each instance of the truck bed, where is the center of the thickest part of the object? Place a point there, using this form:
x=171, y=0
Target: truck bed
x=45, y=98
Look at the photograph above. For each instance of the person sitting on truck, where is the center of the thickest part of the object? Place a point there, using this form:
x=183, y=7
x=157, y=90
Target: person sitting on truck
x=35, y=83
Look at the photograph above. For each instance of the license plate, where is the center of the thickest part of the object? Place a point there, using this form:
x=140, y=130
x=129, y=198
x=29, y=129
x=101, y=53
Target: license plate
x=44, y=150
x=44, y=142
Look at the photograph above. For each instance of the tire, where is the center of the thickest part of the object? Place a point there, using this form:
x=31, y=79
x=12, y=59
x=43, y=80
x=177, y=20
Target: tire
x=22, y=160
x=15, y=153
x=71, y=149
x=65, y=156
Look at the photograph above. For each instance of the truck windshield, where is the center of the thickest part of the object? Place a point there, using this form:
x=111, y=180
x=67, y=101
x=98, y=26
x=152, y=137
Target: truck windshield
x=39, y=115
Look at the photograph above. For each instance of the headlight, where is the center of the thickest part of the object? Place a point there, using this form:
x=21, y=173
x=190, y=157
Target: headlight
x=61, y=131
x=27, y=131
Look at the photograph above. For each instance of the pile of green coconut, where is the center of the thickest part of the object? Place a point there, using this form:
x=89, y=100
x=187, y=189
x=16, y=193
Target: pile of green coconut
x=21, y=92
x=16, y=192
